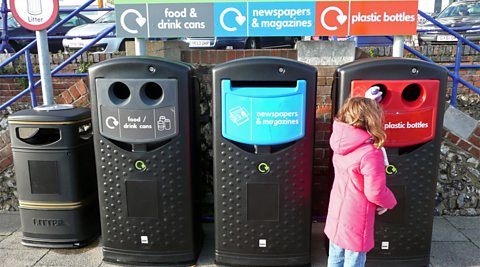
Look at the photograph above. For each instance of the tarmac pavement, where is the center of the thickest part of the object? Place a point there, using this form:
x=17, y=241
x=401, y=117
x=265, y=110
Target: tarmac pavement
x=455, y=243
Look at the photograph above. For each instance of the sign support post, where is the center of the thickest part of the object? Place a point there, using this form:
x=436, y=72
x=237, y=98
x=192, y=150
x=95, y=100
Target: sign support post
x=44, y=65
x=37, y=15
x=140, y=47
x=397, y=50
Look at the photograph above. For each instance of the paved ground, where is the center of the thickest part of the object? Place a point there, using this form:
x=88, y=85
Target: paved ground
x=456, y=243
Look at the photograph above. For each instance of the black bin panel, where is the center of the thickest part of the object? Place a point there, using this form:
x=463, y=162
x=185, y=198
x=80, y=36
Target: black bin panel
x=262, y=174
x=414, y=97
x=145, y=148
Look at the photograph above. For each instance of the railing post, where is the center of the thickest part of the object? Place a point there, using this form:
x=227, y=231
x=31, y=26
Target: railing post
x=44, y=64
x=4, y=34
x=456, y=73
x=31, y=82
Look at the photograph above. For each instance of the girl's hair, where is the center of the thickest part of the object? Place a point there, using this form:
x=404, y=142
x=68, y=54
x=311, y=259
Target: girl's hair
x=364, y=113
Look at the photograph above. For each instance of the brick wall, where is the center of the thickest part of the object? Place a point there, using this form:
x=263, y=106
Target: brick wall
x=207, y=57
x=471, y=145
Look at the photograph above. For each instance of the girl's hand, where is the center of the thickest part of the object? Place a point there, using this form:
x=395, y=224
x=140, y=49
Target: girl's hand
x=381, y=210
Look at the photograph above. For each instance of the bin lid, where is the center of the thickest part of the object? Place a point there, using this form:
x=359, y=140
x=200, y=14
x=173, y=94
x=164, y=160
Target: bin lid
x=60, y=116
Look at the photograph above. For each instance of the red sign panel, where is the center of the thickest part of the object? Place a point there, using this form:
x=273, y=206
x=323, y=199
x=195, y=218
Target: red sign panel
x=341, y=18
x=410, y=108
x=34, y=15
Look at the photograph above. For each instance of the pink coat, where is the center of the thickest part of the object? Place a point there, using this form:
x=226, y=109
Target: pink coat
x=359, y=187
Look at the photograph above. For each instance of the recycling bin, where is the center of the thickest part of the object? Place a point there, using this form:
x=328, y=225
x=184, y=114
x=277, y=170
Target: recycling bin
x=413, y=97
x=263, y=123
x=55, y=171
x=145, y=139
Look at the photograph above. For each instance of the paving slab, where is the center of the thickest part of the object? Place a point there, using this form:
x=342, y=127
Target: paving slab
x=207, y=254
x=449, y=254
x=14, y=242
x=319, y=254
x=443, y=230
x=89, y=256
x=473, y=235
x=9, y=223
x=15, y=257
x=464, y=222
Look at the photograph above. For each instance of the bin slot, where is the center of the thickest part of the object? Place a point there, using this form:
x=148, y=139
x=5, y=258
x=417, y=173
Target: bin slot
x=264, y=84
x=263, y=89
x=38, y=136
x=139, y=147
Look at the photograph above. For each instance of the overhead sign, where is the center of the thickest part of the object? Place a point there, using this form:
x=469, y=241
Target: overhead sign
x=197, y=18
x=34, y=15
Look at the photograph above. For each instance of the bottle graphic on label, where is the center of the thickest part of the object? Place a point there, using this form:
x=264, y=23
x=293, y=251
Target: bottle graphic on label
x=34, y=7
x=164, y=124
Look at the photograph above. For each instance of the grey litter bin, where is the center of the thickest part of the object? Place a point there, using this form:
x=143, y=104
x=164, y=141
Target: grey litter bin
x=55, y=171
x=145, y=135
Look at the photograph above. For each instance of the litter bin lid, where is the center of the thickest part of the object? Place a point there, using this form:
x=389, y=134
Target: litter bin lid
x=62, y=116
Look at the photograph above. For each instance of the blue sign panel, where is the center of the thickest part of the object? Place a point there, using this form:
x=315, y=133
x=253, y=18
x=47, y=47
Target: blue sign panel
x=281, y=18
x=263, y=115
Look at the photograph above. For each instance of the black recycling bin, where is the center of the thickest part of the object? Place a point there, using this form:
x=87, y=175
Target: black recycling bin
x=144, y=137
x=263, y=120
x=55, y=171
x=413, y=101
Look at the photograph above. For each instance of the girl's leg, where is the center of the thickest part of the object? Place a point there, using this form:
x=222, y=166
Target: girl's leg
x=355, y=259
x=336, y=255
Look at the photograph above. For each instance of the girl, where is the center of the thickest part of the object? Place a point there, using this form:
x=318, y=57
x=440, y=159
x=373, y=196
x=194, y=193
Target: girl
x=359, y=188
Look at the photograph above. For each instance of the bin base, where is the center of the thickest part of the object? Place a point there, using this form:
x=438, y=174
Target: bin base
x=43, y=243
x=235, y=259
x=148, y=258
x=398, y=262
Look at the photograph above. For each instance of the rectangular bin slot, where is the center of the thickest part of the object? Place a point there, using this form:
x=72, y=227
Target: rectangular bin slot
x=142, y=198
x=262, y=202
x=266, y=84
x=43, y=177
x=38, y=136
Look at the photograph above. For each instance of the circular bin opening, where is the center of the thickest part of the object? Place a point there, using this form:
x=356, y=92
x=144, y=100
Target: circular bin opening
x=118, y=92
x=151, y=93
x=383, y=89
x=412, y=95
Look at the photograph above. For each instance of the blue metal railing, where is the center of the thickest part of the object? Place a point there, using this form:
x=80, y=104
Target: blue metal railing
x=455, y=75
x=26, y=50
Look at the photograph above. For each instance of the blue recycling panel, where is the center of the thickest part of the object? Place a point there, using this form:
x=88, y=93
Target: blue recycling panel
x=263, y=115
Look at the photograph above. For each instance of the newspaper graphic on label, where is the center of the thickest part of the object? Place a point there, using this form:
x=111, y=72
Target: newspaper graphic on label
x=239, y=115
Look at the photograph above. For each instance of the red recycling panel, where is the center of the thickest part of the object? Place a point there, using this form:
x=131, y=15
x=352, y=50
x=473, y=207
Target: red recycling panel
x=410, y=108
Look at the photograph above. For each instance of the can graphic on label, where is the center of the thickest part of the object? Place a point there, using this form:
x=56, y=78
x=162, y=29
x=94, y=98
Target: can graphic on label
x=34, y=7
x=164, y=124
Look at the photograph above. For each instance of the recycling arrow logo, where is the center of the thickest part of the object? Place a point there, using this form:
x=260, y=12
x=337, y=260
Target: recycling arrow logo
x=140, y=20
x=240, y=19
